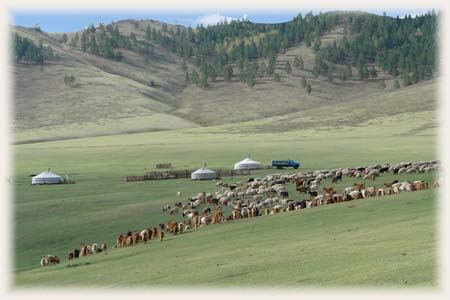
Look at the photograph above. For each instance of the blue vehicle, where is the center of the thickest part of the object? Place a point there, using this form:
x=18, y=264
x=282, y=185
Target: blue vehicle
x=280, y=164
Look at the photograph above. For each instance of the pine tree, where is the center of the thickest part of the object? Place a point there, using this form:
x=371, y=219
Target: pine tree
x=183, y=65
x=365, y=71
x=84, y=41
x=330, y=75
x=204, y=77
x=194, y=77
x=396, y=85
x=276, y=77
x=148, y=33
x=296, y=62
x=251, y=81
x=348, y=71
x=341, y=75
x=373, y=72
x=308, y=88
x=64, y=38
x=228, y=73
x=303, y=81
x=91, y=28
x=300, y=63
x=93, y=48
x=270, y=69
x=212, y=73
x=406, y=79
x=69, y=80
x=73, y=42
x=262, y=69
x=288, y=68
x=118, y=55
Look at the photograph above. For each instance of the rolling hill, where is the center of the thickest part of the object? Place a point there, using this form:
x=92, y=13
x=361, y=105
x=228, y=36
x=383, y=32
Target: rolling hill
x=150, y=93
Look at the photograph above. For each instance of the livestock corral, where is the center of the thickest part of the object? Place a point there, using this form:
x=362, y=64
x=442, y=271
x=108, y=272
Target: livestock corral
x=177, y=174
x=269, y=195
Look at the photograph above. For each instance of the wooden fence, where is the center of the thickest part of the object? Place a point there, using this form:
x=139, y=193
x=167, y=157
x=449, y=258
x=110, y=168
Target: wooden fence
x=174, y=174
x=164, y=166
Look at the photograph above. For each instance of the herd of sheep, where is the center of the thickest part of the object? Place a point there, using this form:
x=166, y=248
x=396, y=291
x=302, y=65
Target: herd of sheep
x=268, y=195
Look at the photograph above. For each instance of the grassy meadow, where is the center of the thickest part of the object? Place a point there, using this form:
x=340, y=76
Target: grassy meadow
x=56, y=219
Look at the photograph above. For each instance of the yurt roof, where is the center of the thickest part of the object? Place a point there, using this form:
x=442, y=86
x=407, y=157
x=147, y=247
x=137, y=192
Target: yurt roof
x=248, y=161
x=204, y=170
x=47, y=174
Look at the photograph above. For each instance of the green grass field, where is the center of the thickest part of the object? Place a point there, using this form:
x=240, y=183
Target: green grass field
x=377, y=242
x=311, y=247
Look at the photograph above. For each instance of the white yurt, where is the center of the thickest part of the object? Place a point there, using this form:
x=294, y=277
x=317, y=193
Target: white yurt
x=204, y=174
x=248, y=164
x=46, y=178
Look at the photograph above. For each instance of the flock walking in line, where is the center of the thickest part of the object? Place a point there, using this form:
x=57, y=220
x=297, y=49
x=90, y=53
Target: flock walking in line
x=267, y=195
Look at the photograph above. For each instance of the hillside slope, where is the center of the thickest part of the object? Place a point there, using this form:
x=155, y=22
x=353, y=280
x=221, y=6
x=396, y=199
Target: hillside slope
x=138, y=95
x=108, y=96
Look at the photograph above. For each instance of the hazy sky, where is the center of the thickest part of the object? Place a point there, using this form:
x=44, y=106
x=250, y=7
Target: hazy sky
x=65, y=21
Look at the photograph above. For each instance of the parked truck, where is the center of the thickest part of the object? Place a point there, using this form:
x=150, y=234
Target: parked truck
x=280, y=164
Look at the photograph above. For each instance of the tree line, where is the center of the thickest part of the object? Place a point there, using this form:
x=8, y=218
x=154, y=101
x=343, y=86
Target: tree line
x=26, y=51
x=404, y=47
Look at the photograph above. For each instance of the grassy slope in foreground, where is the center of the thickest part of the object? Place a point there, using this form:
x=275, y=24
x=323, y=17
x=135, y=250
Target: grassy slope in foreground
x=55, y=219
x=381, y=241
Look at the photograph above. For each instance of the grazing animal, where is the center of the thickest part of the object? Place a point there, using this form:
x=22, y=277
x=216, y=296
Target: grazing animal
x=103, y=247
x=313, y=193
x=196, y=221
x=74, y=254
x=94, y=248
x=276, y=209
x=380, y=192
x=173, y=211
x=359, y=186
x=44, y=261
x=291, y=206
x=161, y=235
x=154, y=232
x=254, y=212
x=336, y=178
x=172, y=227
x=236, y=214
x=129, y=241
x=329, y=190
x=83, y=251
x=136, y=237
x=284, y=194
x=52, y=260
x=121, y=240
x=303, y=189
x=178, y=194
x=144, y=235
